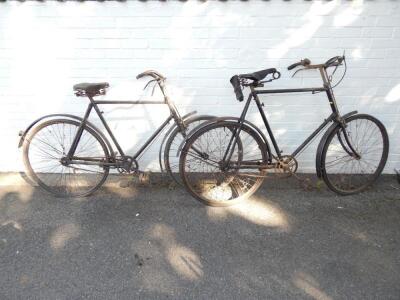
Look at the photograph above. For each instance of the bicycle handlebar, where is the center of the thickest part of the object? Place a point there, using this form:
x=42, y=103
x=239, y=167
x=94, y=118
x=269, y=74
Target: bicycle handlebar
x=151, y=73
x=332, y=62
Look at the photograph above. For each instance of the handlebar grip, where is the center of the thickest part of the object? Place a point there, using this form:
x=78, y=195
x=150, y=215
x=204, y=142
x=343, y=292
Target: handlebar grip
x=235, y=81
x=304, y=62
x=140, y=75
x=294, y=66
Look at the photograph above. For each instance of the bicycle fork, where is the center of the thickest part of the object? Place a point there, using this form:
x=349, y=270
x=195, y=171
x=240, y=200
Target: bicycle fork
x=339, y=119
x=352, y=152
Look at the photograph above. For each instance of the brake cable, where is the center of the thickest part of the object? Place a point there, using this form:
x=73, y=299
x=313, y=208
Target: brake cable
x=330, y=76
x=298, y=70
x=154, y=86
x=344, y=73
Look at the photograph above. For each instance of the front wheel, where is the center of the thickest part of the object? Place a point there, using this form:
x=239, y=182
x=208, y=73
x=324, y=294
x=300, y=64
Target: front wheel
x=213, y=180
x=346, y=172
x=174, y=143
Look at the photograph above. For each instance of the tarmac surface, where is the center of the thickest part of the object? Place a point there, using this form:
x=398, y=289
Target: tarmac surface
x=155, y=241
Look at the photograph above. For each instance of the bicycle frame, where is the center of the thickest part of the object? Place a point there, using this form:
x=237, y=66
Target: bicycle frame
x=94, y=104
x=334, y=117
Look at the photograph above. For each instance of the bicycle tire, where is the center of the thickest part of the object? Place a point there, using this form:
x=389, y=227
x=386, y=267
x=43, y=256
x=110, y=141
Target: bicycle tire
x=55, y=160
x=354, y=178
x=205, y=185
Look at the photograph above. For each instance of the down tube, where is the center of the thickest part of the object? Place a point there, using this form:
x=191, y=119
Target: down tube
x=154, y=135
x=314, y=134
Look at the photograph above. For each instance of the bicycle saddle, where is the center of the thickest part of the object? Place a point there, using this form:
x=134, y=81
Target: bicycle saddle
x=91, y=88
x=259, y=75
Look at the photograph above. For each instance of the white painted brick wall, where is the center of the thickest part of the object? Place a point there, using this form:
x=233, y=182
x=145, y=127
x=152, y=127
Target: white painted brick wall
x=47, y=47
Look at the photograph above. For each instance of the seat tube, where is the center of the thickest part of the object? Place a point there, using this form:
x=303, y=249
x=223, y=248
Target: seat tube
x=79, y=132
x=266, y=124
x=229, y=150
x=103, y=120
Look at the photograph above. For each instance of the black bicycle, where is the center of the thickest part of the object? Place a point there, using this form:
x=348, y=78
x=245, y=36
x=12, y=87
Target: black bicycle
x=69, y=156
x=227, y=159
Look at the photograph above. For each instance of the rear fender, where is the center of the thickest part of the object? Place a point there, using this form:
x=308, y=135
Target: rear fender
x=323, y=141
x=24, y=133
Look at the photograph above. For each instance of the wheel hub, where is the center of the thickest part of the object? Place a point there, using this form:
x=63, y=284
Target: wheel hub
x=205, y=155
x=64, y=161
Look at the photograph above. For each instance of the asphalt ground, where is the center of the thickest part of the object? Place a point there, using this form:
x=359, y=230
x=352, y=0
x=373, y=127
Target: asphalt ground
x=154, y=241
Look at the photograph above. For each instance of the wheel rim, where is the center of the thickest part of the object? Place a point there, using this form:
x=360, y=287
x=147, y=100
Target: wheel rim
x=48, y=145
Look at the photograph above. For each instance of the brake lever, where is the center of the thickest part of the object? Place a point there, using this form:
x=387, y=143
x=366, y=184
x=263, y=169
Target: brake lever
x=152, y=91
x=339, y=63
x=333, y=73
x=265, y=81
x=298, y=70
x=154, y=86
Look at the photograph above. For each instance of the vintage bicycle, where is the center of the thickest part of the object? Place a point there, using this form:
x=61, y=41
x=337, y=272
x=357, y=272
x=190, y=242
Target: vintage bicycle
x=69, y=156
x=226, y=159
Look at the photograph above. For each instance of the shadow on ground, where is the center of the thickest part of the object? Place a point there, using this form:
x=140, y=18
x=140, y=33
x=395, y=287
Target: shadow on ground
x=158, y=242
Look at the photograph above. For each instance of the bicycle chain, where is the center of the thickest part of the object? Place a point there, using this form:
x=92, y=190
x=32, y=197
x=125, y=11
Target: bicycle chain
x=282, y=170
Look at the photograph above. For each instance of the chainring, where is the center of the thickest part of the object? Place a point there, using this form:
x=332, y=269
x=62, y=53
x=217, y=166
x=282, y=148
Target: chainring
x=128, y=165
x=286, y=166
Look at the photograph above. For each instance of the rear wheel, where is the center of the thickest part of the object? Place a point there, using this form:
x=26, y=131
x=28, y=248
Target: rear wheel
x=344, y=172
x=214, y=182
x=45, y=148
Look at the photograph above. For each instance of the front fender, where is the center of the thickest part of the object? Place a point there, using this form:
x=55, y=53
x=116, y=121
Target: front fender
x=323, y=141
x=24, y=133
